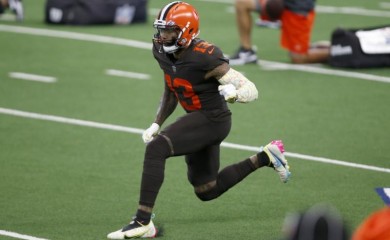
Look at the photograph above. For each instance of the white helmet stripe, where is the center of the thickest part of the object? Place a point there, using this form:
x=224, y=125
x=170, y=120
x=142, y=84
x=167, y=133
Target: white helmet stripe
x=166, y=9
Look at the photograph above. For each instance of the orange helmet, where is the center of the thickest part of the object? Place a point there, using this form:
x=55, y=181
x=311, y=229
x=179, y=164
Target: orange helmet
x=178, y=16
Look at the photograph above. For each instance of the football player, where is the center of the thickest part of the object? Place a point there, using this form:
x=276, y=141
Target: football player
x=296, y=18
x=198, y=77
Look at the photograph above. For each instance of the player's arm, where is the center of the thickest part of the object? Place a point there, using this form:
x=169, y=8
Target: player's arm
x=167, y=105
x=234, y=85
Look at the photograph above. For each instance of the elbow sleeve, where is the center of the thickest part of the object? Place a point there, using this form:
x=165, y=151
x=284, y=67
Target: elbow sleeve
x=246, y=90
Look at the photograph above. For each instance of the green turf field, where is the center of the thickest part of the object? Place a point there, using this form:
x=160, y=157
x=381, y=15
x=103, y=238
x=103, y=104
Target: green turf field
x=64, y=176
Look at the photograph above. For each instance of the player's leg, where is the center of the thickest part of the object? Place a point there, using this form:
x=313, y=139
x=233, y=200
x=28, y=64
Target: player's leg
x=184, y=136
x=208, y=184
x=295, y=37
x=245, y=54
x=156, y=153
x=203, y=168
x=3, y=5
x=244, y=9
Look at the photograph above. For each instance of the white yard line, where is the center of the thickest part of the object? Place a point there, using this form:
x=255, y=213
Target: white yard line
x=120, y=73
x=352, y=11
x=348, y=10
x=32, y=77
x=384, y=4
x=78, y=122
x=70, y=121
x=75, y=36
x=20, y=236
x=311, y=158
x=148, y=46
x=269, y=65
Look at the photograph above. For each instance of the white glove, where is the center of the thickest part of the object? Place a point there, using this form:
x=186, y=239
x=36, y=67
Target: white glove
x=150, y=133
x=229, y=91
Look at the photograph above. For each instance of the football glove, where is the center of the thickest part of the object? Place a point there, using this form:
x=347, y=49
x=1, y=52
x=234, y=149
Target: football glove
x=150, y=133
x=229, y=92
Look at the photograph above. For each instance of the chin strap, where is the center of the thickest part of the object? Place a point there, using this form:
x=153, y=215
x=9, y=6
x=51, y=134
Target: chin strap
x=171, y=49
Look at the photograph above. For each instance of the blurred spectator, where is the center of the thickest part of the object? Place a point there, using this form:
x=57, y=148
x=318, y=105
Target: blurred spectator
x=295, y=18
x=15, y=6
x=87, y=12
x=374, y=227
x=320, y=222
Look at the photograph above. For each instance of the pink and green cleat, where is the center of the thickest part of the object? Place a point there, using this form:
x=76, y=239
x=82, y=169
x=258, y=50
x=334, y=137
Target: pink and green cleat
x=274, y=151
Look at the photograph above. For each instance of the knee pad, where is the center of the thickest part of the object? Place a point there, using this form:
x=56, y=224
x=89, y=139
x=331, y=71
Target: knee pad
x=159, y=148
x=213, y=193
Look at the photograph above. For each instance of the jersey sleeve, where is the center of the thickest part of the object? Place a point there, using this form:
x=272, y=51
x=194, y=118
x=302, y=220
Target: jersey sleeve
x=209, y=56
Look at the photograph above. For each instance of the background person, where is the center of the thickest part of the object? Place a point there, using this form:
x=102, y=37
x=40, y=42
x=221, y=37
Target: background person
x=375, y=227
x=15, y=6
x=319, y=222
x=296, y=19
x=88, y=12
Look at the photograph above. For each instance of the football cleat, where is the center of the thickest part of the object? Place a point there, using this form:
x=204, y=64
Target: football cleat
x=274, y=151
x=243, y=56
x=135, y=229
x=269, y=24
x=17, y=8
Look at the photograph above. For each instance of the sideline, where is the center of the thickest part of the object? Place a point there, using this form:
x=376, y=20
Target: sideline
x=112, y=127
x=148, y=46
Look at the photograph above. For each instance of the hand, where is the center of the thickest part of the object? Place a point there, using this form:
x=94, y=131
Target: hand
x=229, y=91
x=150, y=133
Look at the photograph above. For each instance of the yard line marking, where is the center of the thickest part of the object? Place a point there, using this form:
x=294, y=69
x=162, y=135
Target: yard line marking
x=384, y=4
x=76, y=36
x=219, y=1
x=352, y=11
x=148, y=46
x=20, y=236
x=337, y=162
x=311, y=68
x=311, y=158
x=120, y=73
x=32, y=77
x=339, y=10
x=72, y=121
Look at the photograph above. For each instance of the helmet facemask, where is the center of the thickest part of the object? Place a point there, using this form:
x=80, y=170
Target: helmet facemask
x=180, y=17
x=168, y=46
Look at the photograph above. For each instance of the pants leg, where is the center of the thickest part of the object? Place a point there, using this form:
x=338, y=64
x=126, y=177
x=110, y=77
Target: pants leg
x=192, y=133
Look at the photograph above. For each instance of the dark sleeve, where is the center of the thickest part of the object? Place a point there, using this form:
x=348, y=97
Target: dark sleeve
x=212, y=58
x=300, y=6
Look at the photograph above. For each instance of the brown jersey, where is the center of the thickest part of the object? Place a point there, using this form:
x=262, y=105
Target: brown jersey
x=186, y=76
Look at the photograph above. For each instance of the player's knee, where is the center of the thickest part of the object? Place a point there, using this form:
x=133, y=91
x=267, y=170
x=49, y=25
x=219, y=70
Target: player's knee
x=244, y=5
x=211, y=194
x=159, y=147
